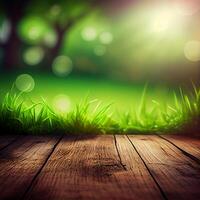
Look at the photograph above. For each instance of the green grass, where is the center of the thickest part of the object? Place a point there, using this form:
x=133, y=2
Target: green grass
x=122, y=95
x=20, y=115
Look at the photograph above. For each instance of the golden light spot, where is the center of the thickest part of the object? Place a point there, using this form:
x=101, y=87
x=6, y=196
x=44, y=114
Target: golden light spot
x=192, y=51
x=62, y=103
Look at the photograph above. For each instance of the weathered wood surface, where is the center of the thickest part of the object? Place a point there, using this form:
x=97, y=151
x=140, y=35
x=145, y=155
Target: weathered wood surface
x=20, y=162
x=143, y=185
x=186, y=144
x=99, y=167
x=90, y=168
x=177, y=174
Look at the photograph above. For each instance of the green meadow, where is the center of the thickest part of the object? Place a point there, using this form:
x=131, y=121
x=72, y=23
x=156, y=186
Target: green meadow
x=122, y=95
x=79, y=105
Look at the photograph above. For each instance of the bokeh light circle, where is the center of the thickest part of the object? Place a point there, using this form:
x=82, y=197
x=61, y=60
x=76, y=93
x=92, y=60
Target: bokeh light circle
x=62, y=66
x=50, y=39
x=34, y=33
x=55, y=10
x=100, y=50
x=33, y=55
x=192, y=50
x=5, y=31
x=89, y=34
x=106, y=38
x=62, y=103
x=32, y=29
x=25, y=83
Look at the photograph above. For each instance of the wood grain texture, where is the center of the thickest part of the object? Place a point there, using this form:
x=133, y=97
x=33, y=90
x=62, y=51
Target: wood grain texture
x=89, y=168
x=141, y=182
x=177, y=174
x=187, y=144
x=6, y=140
x=99, y=167
x=20, y=162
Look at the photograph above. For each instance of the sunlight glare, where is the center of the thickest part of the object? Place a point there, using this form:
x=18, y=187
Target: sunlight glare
x=187, y=7
x=163, y=20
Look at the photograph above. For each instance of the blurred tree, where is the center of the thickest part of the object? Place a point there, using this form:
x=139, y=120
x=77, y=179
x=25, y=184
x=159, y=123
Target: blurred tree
x=60, y=15
x=56, y=19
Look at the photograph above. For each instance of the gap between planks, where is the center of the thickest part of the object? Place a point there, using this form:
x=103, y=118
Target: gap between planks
x=92, y=168
x=177, y=174
x=40, y=169
x=22, y=161
x=185, y=151
x=154, y=179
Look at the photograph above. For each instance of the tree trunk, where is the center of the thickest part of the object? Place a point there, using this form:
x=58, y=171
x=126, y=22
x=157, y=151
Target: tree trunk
x=11, y=58
x=53, y=52
x=14, y=11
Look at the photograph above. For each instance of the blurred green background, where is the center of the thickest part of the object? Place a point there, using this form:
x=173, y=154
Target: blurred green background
x=65, y=50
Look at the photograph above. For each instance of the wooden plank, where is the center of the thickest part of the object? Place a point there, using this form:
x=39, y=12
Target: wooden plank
x=87, y=168
x=141, y=181
x=6, y=140
x=177, y=175
x=20, y=162
x=190, y=145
